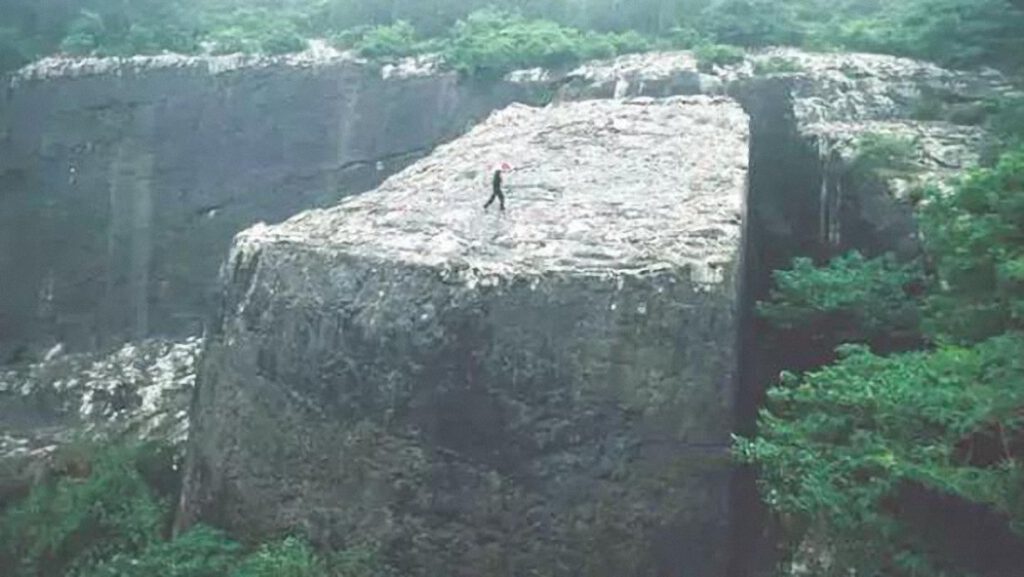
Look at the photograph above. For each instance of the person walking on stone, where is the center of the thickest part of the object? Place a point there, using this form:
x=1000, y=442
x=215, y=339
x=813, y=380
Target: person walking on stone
x=496, y=187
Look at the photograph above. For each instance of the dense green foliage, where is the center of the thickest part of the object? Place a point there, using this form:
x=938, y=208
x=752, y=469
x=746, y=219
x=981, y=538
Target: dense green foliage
x=977, y=237
x=107, y=514
x=489, y=43
x=853, y=300
x=884, y=155
x=710, y=56
x=529, y=32
x=76, y=522
x=841, y=447
x=201, y=552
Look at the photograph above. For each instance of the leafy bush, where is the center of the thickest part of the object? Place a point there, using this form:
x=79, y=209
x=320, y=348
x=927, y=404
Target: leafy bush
x=751, y=23
x=206, y=552
x=838, y=446
x=490, y=43
x=710, y=56
x=852, y=299
x=288, y=558
x=108, y=515
x=396, y=40
x=684, y=37
x=254, y=30
x=777, y=65
x=200, y=552
x=844, y=448
x=1006, y=120
x=952, y=32
x=104, y=509
x=885, y=155
x=977, y=239
x=84, y=34
x=359, y=561
x=137, y=27
x=629, y=42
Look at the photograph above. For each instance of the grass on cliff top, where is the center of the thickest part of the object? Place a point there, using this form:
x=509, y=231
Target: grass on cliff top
x=490, y=43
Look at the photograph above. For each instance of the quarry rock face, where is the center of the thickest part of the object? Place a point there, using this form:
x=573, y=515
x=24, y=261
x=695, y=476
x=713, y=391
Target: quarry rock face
x=122, y=181
x=547, y=390
x=809, y=112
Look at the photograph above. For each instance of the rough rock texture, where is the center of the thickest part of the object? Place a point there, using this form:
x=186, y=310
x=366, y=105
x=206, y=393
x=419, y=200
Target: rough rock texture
x=809, y=195
x=548, y=390
x=122, y=182
x=806, y=123
x=140, y=391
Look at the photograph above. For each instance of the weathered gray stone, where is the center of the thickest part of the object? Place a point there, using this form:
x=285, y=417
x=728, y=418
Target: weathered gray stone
x=122, y=181
x=873, y=211
x=548, y=390
x=806, y=122
x=140, y=391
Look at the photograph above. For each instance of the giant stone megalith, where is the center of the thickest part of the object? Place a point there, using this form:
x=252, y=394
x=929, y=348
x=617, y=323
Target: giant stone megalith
x=544, y=391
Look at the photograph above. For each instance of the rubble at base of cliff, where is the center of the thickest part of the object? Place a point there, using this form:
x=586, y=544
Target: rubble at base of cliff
x=138, y=392
x=141, y=389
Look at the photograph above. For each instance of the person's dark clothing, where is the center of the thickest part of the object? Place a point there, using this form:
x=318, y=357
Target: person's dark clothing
x=497, y=194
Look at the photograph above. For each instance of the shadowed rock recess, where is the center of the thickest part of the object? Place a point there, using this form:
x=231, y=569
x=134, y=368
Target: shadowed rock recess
x=545, y=391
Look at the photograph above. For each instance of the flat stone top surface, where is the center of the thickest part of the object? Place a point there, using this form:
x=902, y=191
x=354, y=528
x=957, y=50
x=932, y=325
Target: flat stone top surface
x=596, y=186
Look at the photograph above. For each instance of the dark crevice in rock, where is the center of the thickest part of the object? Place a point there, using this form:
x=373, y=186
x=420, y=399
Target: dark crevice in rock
x=786, y=193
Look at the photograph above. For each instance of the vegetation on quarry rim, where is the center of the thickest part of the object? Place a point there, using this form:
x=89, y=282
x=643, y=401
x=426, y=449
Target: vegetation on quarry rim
x=488, y=37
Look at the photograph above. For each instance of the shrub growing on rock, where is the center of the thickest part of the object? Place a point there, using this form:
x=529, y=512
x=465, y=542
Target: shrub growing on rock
x=102, y=506
x=879, y=453
x=710, y=56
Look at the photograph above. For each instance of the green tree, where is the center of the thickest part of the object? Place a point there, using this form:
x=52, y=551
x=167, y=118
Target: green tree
x=200, y=552
x=751, y=22
x=977, y=239
x=76, y=521
x=842, y=447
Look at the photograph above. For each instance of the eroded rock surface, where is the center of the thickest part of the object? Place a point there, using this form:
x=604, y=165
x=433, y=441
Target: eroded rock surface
x=809, y=112
x=139, y=391
x=545, y=390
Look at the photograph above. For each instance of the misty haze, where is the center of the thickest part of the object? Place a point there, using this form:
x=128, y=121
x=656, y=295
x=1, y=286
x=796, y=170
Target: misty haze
x=511, y=288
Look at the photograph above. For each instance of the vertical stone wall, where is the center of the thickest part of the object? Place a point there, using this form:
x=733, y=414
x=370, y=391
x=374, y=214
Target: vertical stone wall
x=123, y=181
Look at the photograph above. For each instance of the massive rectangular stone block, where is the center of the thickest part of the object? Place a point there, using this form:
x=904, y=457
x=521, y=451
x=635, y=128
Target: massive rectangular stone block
x=547, y=390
